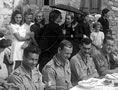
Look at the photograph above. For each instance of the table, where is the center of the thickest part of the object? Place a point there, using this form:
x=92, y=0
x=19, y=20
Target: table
x=99, y=87
x=95, y=88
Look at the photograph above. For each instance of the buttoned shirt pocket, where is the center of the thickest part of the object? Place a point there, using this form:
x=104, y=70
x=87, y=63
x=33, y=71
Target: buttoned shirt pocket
x=63, y=78
x=28, y=83
x=83, y=70
x=83, y=67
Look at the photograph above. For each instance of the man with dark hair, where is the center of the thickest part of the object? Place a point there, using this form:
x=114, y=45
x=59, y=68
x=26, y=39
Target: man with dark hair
x=82, y=64
x=27, y=76
x=105, y=61
x=54, y=15
x=57, y=71
x=104, y=20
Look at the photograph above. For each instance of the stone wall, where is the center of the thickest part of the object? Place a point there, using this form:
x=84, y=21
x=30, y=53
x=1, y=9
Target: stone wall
x=113, y=17
x=5, y=12
x=7, y=7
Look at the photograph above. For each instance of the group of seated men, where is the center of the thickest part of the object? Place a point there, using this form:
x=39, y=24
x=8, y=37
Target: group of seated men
x=63, y=72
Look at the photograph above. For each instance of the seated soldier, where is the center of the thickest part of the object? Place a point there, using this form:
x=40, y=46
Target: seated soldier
x=82, y=64
x=27, y=76
x=57, y=71
x=105, y=61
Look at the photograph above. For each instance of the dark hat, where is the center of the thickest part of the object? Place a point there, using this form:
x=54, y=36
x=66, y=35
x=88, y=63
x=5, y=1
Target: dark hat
x=5, y=43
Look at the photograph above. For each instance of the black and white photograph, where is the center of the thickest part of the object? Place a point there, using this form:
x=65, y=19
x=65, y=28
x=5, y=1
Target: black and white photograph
x=58, y=44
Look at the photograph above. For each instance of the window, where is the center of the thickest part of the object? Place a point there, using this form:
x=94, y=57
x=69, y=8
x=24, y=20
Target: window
x=92, y=6
x=46, y=2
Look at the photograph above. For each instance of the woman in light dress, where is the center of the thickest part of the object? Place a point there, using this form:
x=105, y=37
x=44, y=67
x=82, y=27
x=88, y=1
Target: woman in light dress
x=28, y=18
x=18, y=38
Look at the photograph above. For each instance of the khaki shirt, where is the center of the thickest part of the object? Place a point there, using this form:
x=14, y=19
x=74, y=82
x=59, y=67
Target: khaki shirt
x=104, y=62
x=81, y=67
x=57, y=75
x=26, y=82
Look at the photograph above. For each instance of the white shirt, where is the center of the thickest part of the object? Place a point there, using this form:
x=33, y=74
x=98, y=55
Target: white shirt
x=26, y=28
x=97, y=38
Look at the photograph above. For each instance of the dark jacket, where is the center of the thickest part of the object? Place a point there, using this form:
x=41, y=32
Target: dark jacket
x=84, y=29
x=52, y=36
x=37, y=32
x=104, y=23
x=69, y=31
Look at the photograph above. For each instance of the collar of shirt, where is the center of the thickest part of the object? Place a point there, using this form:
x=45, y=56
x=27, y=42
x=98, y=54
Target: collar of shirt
x=24, y=72
x=58, y=62
x=83, y=56
x=25, y=24
x=104, y=52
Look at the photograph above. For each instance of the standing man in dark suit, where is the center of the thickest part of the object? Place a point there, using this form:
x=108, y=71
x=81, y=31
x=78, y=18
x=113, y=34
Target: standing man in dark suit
x=52, y=36
x=104, y=20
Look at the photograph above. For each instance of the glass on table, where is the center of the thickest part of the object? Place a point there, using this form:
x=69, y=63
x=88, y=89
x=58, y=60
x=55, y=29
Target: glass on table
x=116, y=83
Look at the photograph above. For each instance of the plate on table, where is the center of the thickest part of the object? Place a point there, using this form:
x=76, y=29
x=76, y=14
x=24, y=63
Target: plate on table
x=90, y=83
x=113, y=76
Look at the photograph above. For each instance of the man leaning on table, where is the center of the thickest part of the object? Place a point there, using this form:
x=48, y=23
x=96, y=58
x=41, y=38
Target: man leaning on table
x=82, y=64
x=107, y=60
x=57, y=72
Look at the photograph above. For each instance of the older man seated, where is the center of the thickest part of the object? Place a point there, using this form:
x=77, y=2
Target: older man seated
x=107, y=60
x=82, y=64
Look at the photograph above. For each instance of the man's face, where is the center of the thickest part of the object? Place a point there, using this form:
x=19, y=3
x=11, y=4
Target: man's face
x=31, y=60
x=59, y=19
x=106, y=15
x=109, y=46
x=28, y=19
x=86, y=49
x=65, y=53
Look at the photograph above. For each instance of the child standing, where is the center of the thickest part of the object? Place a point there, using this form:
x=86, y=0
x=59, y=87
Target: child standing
x=97, y=36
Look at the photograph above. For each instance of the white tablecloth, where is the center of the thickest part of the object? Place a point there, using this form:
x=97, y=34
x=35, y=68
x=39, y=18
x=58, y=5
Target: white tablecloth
x=100, y=86
x=95, y=88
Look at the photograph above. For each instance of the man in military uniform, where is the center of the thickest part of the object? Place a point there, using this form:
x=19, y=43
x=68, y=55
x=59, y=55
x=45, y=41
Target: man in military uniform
x=107, y=60
x=82, y=64
x=57, y=71
x=27, y=76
